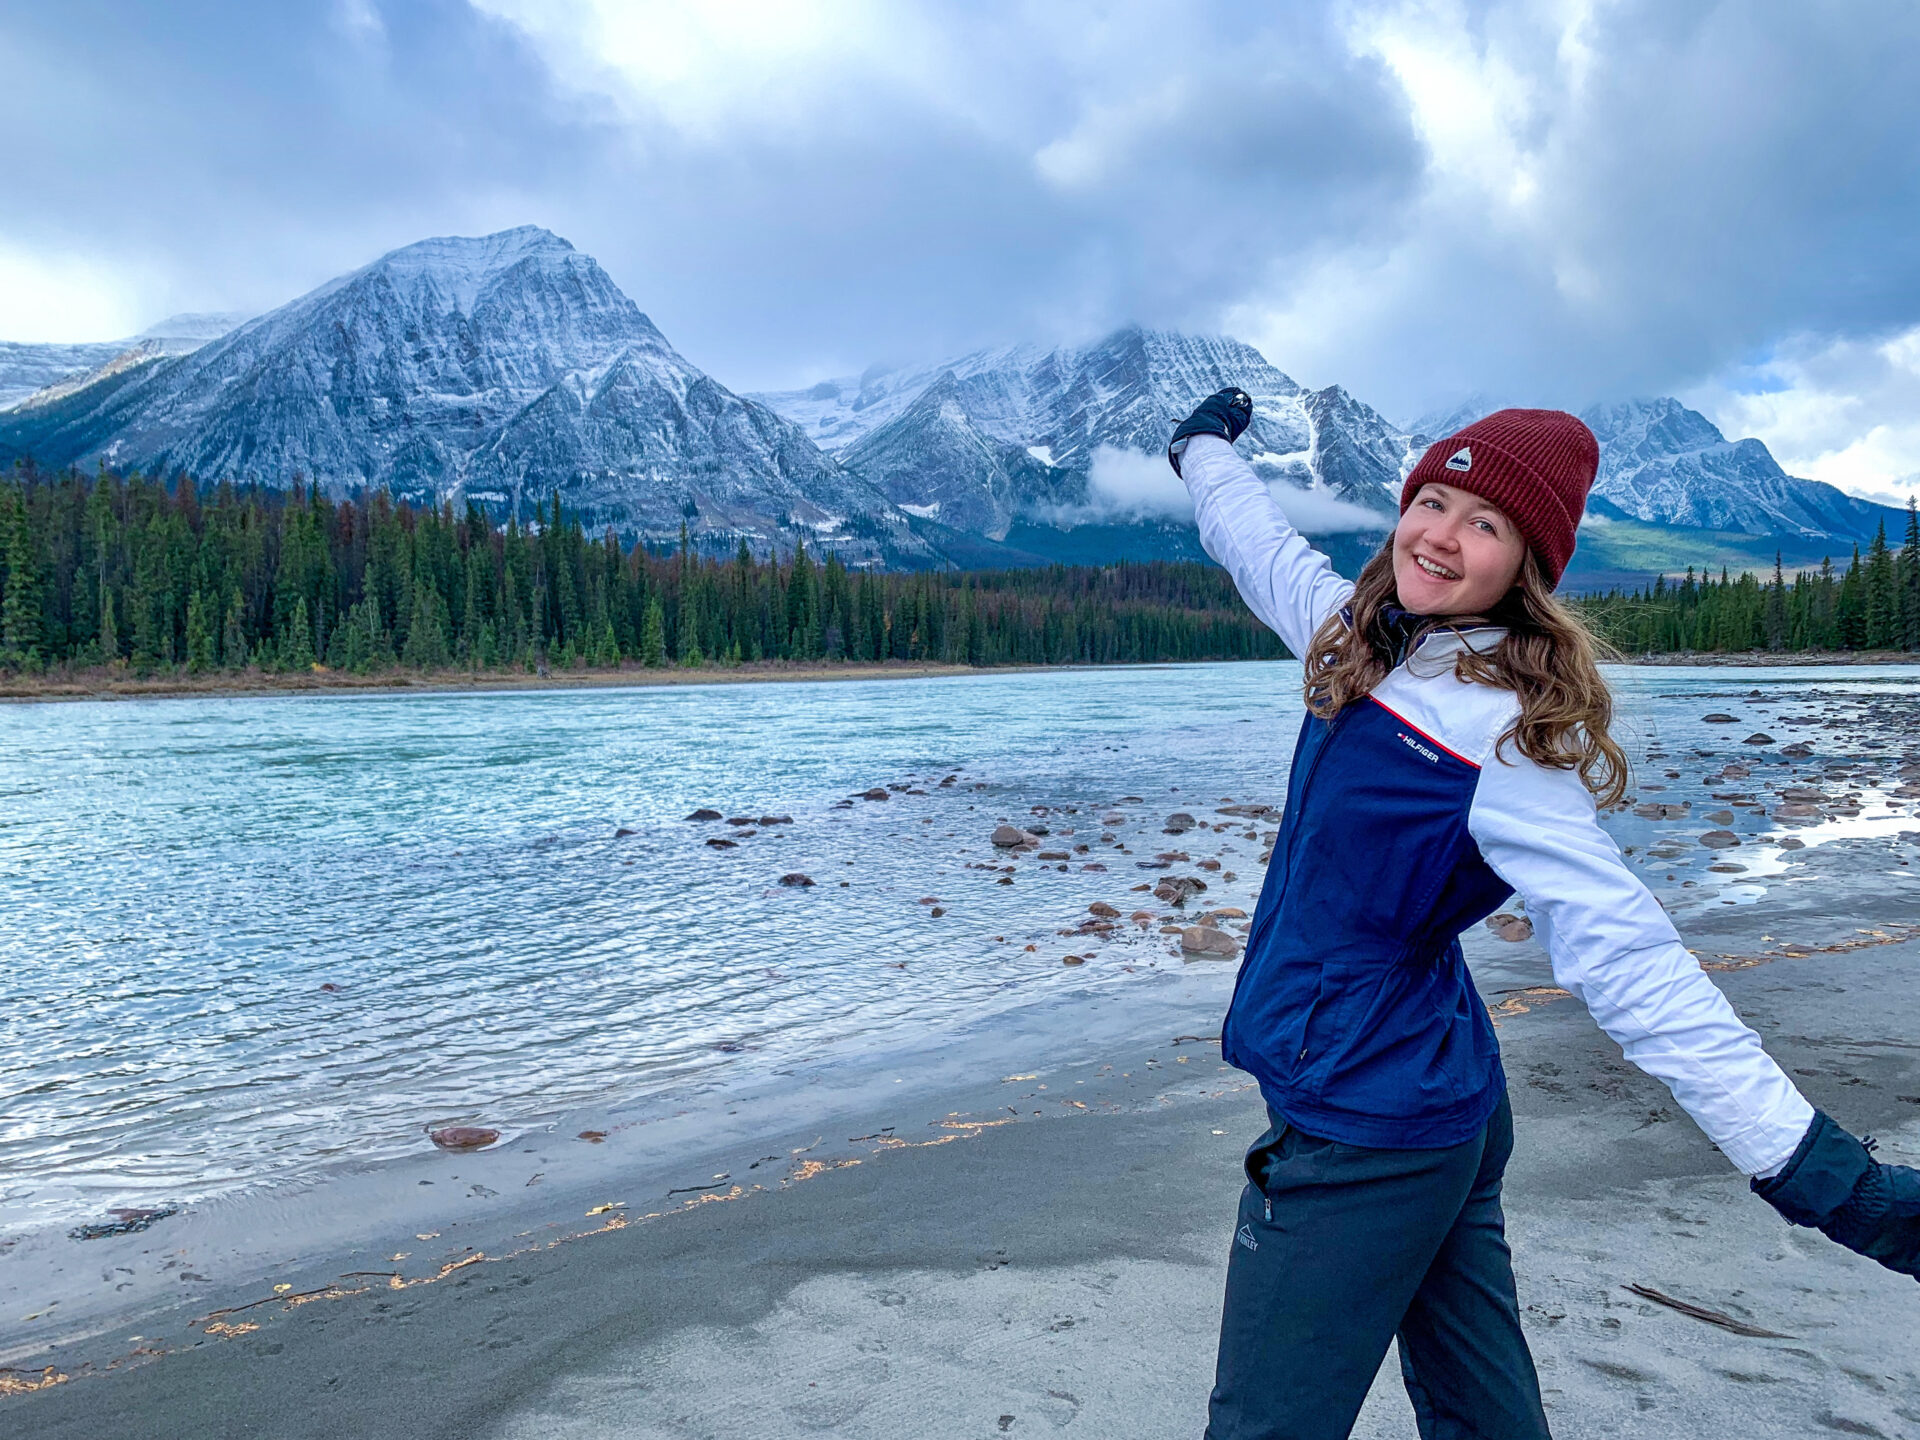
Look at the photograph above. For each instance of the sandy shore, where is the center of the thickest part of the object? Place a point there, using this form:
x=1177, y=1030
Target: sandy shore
x=1021, y=1252
x=101, y=683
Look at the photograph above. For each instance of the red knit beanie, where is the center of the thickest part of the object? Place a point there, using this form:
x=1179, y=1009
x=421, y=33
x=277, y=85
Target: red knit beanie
x=1537, y=465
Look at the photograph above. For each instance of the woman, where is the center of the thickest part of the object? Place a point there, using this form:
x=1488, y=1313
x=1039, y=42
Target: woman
x=1455, y=747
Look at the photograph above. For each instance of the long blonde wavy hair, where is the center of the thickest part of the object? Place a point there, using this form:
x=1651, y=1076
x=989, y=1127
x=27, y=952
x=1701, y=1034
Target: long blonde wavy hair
x=1548, y=658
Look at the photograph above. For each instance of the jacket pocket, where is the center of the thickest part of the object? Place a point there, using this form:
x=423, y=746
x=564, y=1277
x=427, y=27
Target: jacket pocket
x=1333, y=1029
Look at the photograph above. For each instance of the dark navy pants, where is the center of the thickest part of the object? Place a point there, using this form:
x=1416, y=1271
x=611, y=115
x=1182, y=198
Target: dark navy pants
x=1337, y=1250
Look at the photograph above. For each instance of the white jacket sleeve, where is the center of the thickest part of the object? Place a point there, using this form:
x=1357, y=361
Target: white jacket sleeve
x=1615, y=950
x=1290, y=585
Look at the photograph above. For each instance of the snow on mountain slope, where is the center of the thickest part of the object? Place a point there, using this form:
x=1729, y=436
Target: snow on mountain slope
x=28, y=368
x=1016, y=431
x=1663, y=463
x=1126, y=387
x=936, y=462
x=497, y=369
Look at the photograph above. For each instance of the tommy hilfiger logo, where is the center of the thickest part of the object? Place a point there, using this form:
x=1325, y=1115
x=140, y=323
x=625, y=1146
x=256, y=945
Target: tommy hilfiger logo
x=1414, y=745
x=1461, y=460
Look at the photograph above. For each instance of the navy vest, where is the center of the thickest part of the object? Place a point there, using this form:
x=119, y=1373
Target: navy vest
x=1354, y=1008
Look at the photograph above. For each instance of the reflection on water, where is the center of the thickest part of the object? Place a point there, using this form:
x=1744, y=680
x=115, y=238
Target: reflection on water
x=248, y=938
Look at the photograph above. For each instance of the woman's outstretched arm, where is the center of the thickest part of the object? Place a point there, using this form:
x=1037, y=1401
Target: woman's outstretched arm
x=1290, y=585
x=1614, y=949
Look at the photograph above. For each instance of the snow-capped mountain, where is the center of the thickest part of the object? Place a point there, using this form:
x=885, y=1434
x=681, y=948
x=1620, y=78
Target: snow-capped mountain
x=935, y=462
x=26, y=367
x=1663, y=463
x=495, y=369
x=504, y=368
x=1012, y=433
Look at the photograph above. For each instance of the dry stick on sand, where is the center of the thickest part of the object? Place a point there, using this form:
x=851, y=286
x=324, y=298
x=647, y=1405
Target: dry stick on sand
x=1700, y=1312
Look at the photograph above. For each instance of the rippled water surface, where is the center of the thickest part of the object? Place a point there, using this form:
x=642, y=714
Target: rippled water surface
x=244, y=938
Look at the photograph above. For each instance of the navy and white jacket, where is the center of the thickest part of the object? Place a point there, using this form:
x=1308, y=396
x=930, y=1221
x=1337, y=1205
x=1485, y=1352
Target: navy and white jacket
x=1406, y=822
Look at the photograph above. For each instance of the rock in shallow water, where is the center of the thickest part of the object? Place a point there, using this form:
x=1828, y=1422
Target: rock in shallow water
x=1205, y=940
x=1176, y=889
x=796, y=881
x=704, y=814
x=1719, y=839
x=125, y=1222
x=463, y=1137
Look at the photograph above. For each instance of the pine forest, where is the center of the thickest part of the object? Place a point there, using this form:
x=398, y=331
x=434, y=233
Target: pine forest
x=125, y=571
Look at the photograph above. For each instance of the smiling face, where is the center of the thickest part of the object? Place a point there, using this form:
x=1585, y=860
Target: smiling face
x=1454, y=553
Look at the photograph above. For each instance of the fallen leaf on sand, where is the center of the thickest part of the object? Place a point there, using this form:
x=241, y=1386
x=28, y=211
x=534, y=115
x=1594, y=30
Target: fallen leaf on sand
x=1009, y=1079
x=609, y=1205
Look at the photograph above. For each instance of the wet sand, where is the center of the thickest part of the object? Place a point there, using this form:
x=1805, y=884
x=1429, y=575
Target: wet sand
x=1042, y=1251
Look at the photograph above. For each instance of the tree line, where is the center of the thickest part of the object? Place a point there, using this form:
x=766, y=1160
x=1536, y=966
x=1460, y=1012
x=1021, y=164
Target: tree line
x=127, y=570
x=1874, y=604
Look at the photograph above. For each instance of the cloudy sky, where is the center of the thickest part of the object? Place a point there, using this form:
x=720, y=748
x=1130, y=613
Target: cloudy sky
x=1545, y=201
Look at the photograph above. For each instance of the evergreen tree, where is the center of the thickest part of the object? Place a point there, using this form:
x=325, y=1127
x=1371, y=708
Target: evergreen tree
x=109, y=631
x=233, y=635
x=427, y=647
x=296, y=640
x=1882, y=600
x=20, y=604
x=199, y=633
x=1850, y=608
x=1776, y=623
x=653, y=639
x=1908, y=571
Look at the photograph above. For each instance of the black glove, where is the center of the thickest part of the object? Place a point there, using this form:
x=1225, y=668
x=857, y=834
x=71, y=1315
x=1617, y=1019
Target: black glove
x=1225, y=413
x=1833, y=1184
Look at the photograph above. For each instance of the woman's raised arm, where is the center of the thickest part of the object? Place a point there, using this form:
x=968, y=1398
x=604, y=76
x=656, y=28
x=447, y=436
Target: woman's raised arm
x=1290, y=585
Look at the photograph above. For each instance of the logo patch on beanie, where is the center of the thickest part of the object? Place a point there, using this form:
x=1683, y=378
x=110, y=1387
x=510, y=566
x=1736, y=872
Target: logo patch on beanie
x=1461, y=460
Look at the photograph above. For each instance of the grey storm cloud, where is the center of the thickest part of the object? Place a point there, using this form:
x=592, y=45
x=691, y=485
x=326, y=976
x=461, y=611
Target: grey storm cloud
x=1416, y=200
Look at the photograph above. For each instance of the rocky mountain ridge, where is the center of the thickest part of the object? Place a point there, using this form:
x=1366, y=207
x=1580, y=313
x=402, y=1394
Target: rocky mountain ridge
x=498, y=370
